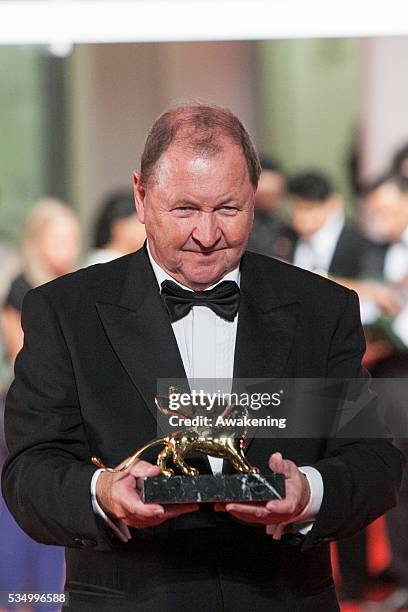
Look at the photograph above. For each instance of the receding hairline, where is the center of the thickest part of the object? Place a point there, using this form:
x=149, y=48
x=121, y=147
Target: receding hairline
x=194, y=152
x=204, y=130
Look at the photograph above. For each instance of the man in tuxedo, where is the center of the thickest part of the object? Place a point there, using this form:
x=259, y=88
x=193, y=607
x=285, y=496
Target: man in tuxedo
x=192, y=303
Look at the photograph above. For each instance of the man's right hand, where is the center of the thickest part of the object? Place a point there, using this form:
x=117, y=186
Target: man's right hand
x=118, y=496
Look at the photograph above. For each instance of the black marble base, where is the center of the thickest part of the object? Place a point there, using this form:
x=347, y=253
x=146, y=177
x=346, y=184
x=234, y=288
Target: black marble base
x=213, y=488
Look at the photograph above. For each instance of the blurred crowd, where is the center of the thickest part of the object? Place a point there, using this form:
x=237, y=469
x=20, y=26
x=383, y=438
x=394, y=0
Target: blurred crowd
x=299, y=218
x=50, y=247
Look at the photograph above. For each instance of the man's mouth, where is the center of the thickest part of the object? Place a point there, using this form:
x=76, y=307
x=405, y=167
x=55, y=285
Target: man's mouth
x=206, y=253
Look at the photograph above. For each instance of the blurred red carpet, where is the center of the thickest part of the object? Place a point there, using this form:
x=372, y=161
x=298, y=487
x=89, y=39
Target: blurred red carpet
x=378, y=560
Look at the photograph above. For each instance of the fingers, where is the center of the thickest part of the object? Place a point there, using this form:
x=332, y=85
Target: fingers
x=284, y=511
x=134, y=507
x=250, y=518
x=253, y=513
x=288, y=506
x=122, y=500
x=143, y=469
x=249, y=511
x=276, y=510
x=169, y=512
x=284, y=466
x=174, y=510
x=296, y=498
x=125, y=500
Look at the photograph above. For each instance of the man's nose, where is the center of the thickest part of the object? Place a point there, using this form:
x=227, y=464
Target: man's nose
x=207, y=231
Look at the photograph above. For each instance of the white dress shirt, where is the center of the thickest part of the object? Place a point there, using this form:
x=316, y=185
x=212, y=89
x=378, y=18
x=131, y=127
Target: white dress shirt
x=207, y=343
x=316, y=251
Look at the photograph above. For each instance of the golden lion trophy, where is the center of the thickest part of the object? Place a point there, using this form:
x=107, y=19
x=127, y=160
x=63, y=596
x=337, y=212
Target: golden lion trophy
x=227, y=441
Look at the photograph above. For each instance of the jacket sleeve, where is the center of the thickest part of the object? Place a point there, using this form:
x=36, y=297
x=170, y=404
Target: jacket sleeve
x=46, y=477
x=361, y=469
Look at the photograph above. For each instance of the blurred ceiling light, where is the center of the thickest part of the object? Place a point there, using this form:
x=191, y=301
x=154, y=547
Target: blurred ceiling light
x=60, y=48
x=99, y=21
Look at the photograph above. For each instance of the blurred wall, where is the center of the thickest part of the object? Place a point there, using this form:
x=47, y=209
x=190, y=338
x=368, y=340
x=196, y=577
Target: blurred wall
x=23, y=143
x=308, y=104
x=383, y=102
x=116, y=91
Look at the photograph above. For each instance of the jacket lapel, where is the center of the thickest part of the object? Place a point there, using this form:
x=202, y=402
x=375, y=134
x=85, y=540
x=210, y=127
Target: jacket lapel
x=266, y=331
x=139, y=330
x=266, y=325
x=140, y=333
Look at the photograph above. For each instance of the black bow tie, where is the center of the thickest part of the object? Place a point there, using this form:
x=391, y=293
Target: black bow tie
x=223, y=299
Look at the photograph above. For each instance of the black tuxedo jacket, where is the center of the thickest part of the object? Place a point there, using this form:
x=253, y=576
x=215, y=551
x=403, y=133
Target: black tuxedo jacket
x=350, y=256
x=374, y=261
x=96, y=342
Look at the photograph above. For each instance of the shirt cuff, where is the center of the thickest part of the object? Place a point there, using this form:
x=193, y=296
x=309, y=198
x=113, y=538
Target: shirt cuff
x=303, y=522
x=117, y=525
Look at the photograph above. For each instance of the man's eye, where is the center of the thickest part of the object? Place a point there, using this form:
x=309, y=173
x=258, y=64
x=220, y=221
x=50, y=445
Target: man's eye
x=228, y=209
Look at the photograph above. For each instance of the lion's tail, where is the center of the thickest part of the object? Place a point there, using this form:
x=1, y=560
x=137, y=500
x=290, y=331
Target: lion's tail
x=130, y=460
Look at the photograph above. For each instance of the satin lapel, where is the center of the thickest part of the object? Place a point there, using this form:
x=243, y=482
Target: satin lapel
x=266, y=325
x=266, y=328
x=264, y=339
x=140, y=333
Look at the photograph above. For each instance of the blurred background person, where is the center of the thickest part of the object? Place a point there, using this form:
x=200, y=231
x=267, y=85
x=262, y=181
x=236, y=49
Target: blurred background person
x=50, y=248
x=317, y=236
x=385, y=223
x=385, y=216
x=267, y=214
x=118, y=230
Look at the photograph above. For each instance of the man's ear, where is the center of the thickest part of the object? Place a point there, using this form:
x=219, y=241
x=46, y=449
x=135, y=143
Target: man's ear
x=139, y=195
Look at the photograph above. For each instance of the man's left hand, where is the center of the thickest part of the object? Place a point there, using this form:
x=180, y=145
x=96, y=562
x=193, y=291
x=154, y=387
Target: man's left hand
x=277, y=510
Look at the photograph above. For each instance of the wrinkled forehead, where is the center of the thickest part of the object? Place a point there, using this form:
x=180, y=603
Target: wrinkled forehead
x=183, y=160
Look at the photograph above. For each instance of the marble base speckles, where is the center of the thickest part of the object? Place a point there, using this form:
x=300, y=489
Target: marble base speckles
x=213, y=488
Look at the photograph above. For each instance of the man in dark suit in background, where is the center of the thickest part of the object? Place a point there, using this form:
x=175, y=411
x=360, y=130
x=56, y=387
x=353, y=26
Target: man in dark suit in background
x=96, y=343
x=318, y=237
x=385, y=211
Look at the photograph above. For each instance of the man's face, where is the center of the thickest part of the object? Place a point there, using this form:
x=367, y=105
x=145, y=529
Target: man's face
x=198, y=213
x=385, y=213
x=307, y=217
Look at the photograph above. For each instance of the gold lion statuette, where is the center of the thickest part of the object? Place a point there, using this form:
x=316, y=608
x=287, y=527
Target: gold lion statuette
x=221, y=442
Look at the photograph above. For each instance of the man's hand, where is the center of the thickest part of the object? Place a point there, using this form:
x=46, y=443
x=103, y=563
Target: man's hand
x=117, y=495
x=277, y=510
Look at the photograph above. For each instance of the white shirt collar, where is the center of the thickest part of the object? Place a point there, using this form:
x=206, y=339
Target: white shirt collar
x=161, y=275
